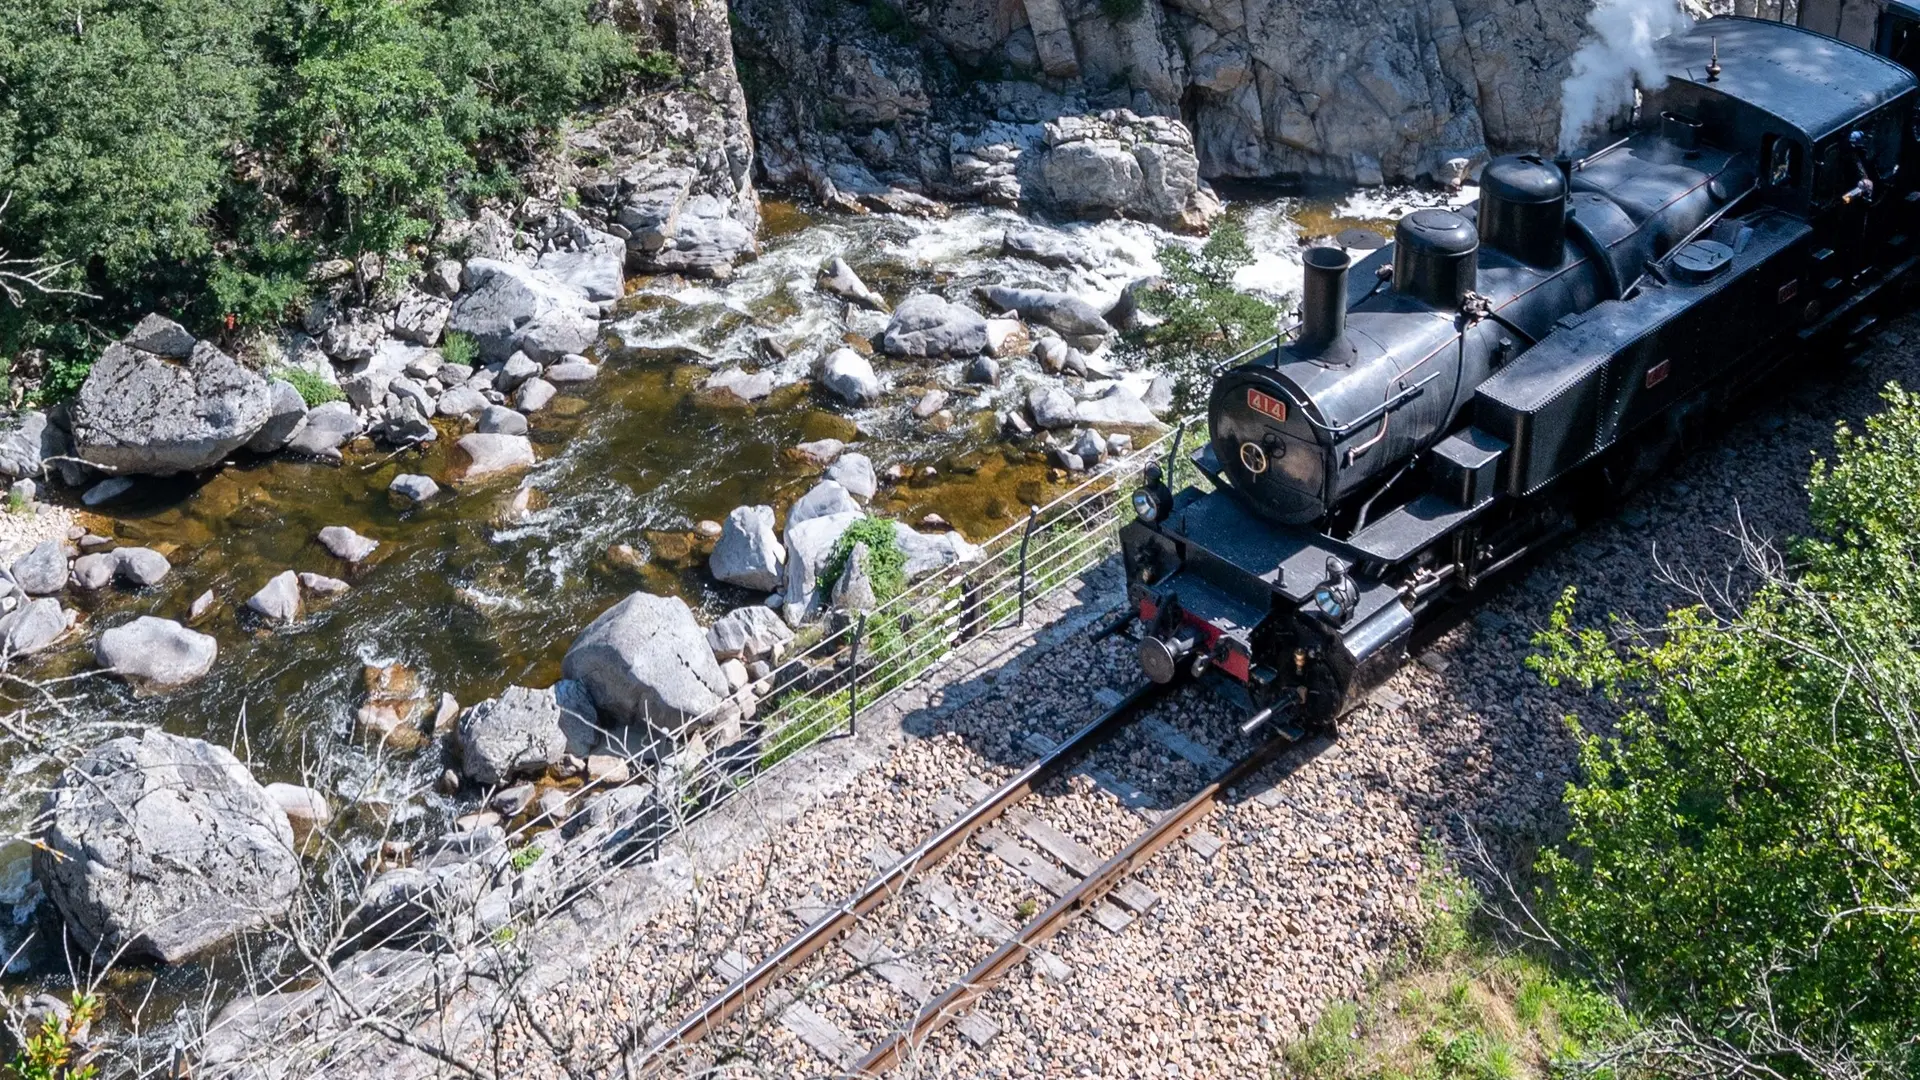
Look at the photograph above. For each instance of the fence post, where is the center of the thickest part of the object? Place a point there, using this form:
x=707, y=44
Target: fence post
x=1033, y=516
x=853, y=676
x=1173, y=457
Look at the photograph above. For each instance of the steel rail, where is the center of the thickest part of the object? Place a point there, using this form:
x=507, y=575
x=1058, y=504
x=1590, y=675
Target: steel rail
x=888, y=883
x=971, y=986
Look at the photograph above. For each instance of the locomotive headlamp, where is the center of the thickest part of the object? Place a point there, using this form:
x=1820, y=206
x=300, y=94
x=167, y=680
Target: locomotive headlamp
x=1153, y=501
x=1337, y=595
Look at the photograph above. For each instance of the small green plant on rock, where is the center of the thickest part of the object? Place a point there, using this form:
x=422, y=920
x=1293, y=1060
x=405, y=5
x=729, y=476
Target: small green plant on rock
x=49, y=1053
x=314, y=390
x=886, y=562
x=526, y=857
x=658, y=65
x=459, y=348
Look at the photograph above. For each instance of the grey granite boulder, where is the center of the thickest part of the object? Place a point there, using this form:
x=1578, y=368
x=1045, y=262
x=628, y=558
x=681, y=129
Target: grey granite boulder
x=164, y=846
x=753, y=632
x=645, y=661
x=1046, y=248
x=27, y=440
x=279, y=599
x=500, y=420
x=850, y=377
x=854, y=472
x=926, y=326
x=838, y=278
x=597, y=273
x=138, y=412
x=1116, y=406
x=477, y=456
x=286, y=411
x=823, y=499
x=928, y=552
x=328, y=428
x=343, y=543
x=534, y=394
x=42, y=571
x=140, y=567
x=1052, y=408
x=749, y=553
x=95, y=571
x=154, y=652
x=810, y=546
x=414, y=487
x=524, y=731
x=510, y=308
x=1061, y=311
x=33, y=626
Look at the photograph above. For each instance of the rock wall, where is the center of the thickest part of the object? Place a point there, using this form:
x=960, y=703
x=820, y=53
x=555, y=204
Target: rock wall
x=952, y=97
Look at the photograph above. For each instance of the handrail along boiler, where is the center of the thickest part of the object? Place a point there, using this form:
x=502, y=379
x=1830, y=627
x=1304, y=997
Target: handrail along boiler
x=1448, y=402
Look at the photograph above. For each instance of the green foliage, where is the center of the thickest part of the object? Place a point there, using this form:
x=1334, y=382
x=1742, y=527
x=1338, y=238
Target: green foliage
x=1204, y=318
x=314, y=390
x=886, y=562
x=1750, y=824
x=658, y=64
x=888, y=20
x=524, y=857
x=48, y=1053
x=17, y=502
x=459, y=348
x=192, y=156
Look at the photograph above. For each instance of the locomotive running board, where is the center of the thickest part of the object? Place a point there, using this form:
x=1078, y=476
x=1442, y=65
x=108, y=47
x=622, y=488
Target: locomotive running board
x=1407, y=530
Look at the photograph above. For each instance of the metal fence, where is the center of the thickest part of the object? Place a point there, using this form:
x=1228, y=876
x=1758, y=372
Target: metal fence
x=856, y=662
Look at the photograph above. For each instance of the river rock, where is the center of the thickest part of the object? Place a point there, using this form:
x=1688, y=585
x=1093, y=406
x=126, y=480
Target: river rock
x=518, y=369
x=748, y=553
x=164, y=846
x=500, y=420
x=1051, y=407
x=984, y=371
x=155, y=652
x=510, y=308
x=33, y=626
x=931, y=402
x=95, y=571
x=703, y=239
x=523, y=732
x=597, y=272
x=810, y=546
x=394, y=707
x=1117, y=406
x=477, y=455
x=307, y=810
x=138, y=412
x=750, y=633
x=140, y=567
x=926, y=326
x=279, y=599
x=928, y=552
x=849, y=376
x=343, y=543
x=161, y=336
x=328, y=428
x=741, y=384
x=43, y=570
x=27, y=440
x=461, y=403
x=855, y=473
x=822, y=500
x=421, y=318
x=322, y=585
x=286, y=411
x=534, y=394
x=819, y=453
x=573, y=369
x=1046, y=248
x=1061, y=311
x=1006, y=337
x=645, y=661
x=839, y=279
x=414, y=487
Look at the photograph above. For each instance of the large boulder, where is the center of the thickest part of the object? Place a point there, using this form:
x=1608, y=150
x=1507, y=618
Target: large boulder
x=35, y=625
x=286, y=411
x=928, y=552
x=140, y=412
x=748, y=553
x=926, y=326
x=824, y=499
x=749, y=633
x=810, y=547
x=43, y=570
x=1121, y=165
x=598, y=272
x=849, y=376
x=164, y=846
x=1115, y=407
x=510, y=308
x=523, y=732
x=701, y=236
x=645, y=661
x=328, y=428
x=155, y=653
x=478, y=455
x=1062, y=311
x=27, y=440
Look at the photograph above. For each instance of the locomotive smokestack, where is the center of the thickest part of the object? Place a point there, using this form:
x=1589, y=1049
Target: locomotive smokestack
x=1323, y=299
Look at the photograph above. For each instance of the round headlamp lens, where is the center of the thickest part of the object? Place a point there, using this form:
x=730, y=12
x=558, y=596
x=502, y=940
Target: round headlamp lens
x=1143, y=505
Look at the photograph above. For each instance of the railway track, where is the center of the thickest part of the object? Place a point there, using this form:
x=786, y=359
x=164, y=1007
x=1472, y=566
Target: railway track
x=1081, y=883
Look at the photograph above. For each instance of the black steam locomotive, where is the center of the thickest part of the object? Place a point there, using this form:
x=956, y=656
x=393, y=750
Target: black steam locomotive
x=1465, y=394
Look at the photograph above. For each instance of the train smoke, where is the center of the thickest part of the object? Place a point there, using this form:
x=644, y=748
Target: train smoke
x=1618, y=51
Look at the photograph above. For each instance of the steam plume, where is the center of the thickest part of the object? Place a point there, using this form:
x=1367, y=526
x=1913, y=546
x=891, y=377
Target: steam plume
x=1619, y=50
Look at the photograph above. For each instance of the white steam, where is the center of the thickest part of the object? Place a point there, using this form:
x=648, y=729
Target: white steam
x=1619, y=51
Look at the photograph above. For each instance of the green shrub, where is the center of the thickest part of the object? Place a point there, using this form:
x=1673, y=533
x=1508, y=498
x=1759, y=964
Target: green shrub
x=1204, y=319
x=525, y=857
x=658, y=64
x=1749, y=826
x=49, y=1052
x=886, y=562
x=314, y=390
x=459, y=348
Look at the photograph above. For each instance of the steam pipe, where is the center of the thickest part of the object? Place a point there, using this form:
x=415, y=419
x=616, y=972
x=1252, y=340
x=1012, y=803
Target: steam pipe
x=1323, y=298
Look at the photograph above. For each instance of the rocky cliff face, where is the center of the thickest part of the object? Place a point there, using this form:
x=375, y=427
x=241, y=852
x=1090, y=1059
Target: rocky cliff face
x=966, y=97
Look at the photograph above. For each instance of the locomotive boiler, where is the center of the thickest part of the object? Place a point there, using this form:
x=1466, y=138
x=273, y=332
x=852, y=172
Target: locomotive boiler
x=1464, y=395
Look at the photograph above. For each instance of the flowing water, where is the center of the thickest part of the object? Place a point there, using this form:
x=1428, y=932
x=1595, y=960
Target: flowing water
x=475, y=597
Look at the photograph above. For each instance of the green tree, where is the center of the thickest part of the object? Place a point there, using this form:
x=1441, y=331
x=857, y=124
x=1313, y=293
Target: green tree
x=1203, y=317
x=1745, y=846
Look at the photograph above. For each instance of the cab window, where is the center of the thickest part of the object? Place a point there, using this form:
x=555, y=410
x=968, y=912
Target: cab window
x=1783, y=162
